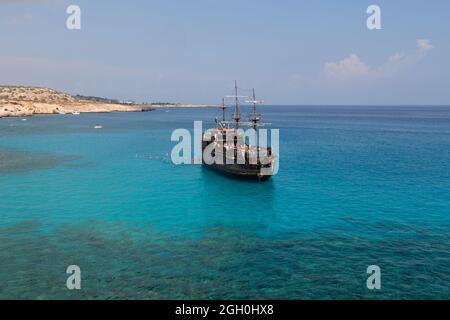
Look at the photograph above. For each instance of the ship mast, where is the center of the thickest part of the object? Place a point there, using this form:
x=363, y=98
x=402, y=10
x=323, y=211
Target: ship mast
x=223, y=109
x=255, y=117
x=237, y=114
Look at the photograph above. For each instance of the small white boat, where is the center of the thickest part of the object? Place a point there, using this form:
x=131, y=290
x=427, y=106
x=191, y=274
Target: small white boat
x=76, y=113
x=97, y=126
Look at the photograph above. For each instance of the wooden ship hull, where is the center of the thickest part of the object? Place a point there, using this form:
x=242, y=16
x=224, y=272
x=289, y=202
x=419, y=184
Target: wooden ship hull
x=231, y=167
x=241, y=171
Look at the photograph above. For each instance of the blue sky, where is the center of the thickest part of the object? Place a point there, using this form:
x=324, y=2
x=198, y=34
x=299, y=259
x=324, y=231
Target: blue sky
x=292, y=52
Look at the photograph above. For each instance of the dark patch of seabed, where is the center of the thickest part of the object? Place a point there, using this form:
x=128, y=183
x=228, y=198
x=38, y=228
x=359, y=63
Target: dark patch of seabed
x=17, y=161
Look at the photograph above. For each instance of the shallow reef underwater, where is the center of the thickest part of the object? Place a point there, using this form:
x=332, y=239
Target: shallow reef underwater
x=223, y=264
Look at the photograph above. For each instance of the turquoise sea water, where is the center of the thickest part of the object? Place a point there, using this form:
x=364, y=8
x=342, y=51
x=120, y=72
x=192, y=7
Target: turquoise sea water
x=357, y=186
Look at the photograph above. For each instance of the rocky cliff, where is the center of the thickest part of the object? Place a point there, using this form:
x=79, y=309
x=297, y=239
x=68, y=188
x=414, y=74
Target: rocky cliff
x=26, y=101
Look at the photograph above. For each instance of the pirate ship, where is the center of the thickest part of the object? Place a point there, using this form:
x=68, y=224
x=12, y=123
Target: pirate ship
x=226, y=150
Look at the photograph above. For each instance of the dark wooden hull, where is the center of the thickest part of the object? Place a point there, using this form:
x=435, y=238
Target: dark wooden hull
x=242, y=171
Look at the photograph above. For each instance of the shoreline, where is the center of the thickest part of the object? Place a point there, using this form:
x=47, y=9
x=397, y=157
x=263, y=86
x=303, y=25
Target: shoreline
x=10, y=109
x=25, y=101
x=17, y=109
x=182, y=105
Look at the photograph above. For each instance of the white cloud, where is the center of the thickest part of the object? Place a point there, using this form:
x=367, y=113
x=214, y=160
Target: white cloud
x=424, y=45
x=353, y=68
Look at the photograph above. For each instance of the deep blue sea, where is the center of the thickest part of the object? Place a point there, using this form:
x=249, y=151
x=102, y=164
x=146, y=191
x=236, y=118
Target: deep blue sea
x=357, y=186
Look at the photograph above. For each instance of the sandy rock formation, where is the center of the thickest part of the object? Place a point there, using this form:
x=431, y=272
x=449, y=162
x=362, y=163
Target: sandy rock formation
x=16, y=101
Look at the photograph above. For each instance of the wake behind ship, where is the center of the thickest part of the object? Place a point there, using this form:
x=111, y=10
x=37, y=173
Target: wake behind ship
x=227, y=145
